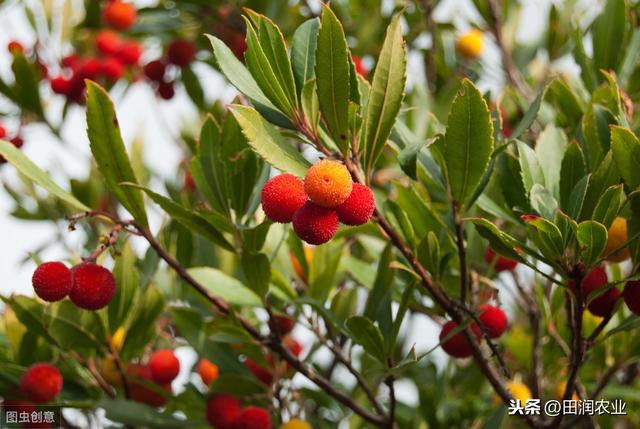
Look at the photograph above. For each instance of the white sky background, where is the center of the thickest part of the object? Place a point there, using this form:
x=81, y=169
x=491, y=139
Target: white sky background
x=141, y=114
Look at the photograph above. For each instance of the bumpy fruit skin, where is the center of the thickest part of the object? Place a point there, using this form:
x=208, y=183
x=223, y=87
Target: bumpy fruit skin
x=519, y=391
x=93, y=286
x=52, y=281
x=263, y=374
x=358, y=207
x=328, y=183
x=285, y=324
x=119, y=15
x=41, y=383
x=222, y=411
x=470, y=44
x=457, y=346
x=253, y=418
x=616, y=238
x=208, y=371
x=296, y=424
x=142, y=392
x=282, y=196
x=631, y=296
x=501, y=263
x=164, y=366
x=181, y=52
x=154, y=70
x=493, y=319
x=315, y=224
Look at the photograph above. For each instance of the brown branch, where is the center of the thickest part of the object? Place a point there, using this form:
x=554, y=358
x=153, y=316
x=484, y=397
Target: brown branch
x=392, y=402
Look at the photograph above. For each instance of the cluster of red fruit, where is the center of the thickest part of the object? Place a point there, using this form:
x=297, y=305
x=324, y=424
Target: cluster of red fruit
x=16, y=141
x=225, y=412
x=316, y=206
x=112, y=56
x=88, y=285
x=493, y=320
x=604, y=303
x=180, y=53
x=146, y=382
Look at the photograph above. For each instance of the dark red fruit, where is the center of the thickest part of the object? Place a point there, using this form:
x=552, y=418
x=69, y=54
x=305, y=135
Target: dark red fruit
x=222, y=411
x=181, y=52
x=358, y=207
x=154, y=70
x=501, y=263
x=631, y=296
x=140, y=389
x=253, y=418
x=315, y=224
x=166, y=91
x=52, y=281
x=457, y=346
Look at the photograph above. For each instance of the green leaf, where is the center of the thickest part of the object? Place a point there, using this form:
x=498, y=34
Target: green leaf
x=257, y=270
x=378, y=306
x=332, y=77
x=24, y=165
x=26, y=87
x=626, y=153
x=303, y=52
x=193, y=87
x=532, y=173
x=109, y=151
x=136, y=414
x=310, y=104
x=386, y=95
x=501, y=242
x=240, y=77
x=468, y=142
x=586, y=66
x=576, y=199
x=212, y=165
x=609, y=34
x=268, y=143
x=190, y=219
x=268, y=61
x=429, y=254
x=608, y=206
x=550, y=148
x=592, y=237
x=542, y=201
x=572, y=170
x=75, y=329
x=605, y=176
x=566, y=102
x=546, y=236
x=128, y=280
x=366, y=334
x=528, y=118
x=511, y=183
x=323, y=269
x=597, y=137
x=224, y=286
x=141, y=327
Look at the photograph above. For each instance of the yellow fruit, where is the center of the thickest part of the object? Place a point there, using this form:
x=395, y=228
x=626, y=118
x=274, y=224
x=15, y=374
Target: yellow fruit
x=470, y=44
x=296, y=424
x=560, y=388
x=519, y=391
x=110, y=373
x=617, y=237
x=117, y=339
x=328, y=183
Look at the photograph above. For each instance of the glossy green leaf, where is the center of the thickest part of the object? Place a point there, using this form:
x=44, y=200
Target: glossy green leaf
x=501, y=242
x=109, y=151
x=550, y=148
x=225, y=286
x=366, y=334
x=592, y=237
x=609, y=34
x=608, y=206
x=571, y=171
x=303, y=52
x=332, y=77
x=39, y=177
x=386, y=95
x=268, y=143
x=625, y=147
x=532, y=173
x=136, y=414
x=257, y=271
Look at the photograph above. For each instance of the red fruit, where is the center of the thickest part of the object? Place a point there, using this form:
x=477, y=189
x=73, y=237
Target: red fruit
x=108, y=42
x=140, y=390
x=595, y=279
x=3, y=132
x=261, y=373
x=154, y=70
x=129, y=53
x=501, y=263
x=15, y=47
x=358, y=207
x=52, y=281
x=457, y=346
x=164, y=366
x=181, y=52
x=93, y=286
x=41, y=383
x=238, y=45
x=208, y=371
x=166, y=91
x=293, y=346
x=89, y=68
x=493, y=319
x=112, y=69
x=60, y=85
x=631, y=296
x=222, y=411
x=315, y=224
x=17, y=141
x=253, y=418
x=70, y=61
x=360, y=68
x=285, y=324
x=604, y=303
x=189, y=183
x=282, y=196
x=118, y=15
